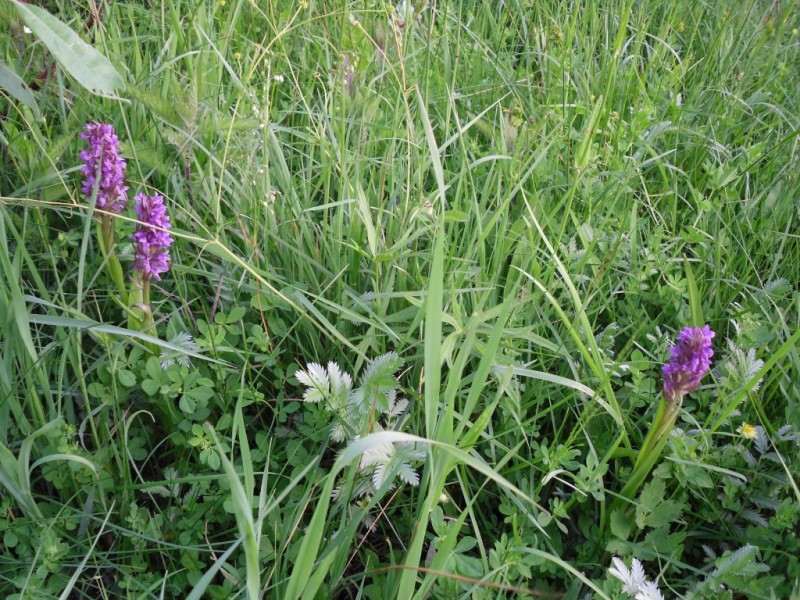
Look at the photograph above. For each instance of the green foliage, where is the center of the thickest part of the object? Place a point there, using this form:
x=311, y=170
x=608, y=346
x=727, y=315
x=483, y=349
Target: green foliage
x=733, y=571
x=372, y=406
x=84, y=63
x=524, y=200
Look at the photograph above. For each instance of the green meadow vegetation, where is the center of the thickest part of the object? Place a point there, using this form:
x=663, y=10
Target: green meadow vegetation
x=427, y=263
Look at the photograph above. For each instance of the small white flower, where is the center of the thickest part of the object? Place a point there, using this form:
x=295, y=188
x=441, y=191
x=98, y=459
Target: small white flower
x=278, y=78
x=749, y=431
x=26, y=29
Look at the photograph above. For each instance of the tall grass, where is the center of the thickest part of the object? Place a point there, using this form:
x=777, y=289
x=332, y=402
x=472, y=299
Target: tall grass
x=525, y=200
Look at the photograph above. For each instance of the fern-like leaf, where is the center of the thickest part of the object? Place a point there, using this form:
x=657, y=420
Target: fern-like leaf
x=377, y=381
x=731, y=572
x=316, y=381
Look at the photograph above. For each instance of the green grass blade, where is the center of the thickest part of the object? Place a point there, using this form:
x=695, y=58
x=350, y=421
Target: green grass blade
x=18, y=89
x=90, y=68
x=202, y=584
x=244, y=519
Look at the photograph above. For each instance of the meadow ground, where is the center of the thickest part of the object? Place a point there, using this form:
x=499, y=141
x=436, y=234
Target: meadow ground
x=427, y=262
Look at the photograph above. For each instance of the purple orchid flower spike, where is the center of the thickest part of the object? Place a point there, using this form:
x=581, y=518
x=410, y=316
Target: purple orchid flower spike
x=103, y=155
x=151, y=240
x=690, y=359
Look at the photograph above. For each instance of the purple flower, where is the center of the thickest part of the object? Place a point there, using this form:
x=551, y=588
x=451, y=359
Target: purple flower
x=150, y=244
x=689, y=360
x=103, y=153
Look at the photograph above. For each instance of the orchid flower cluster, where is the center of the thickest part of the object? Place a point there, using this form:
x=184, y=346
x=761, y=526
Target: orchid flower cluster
x=104, y=168
x=690, y=360
x=104, y=185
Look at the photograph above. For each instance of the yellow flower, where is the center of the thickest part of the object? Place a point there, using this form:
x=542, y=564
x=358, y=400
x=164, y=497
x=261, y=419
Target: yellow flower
x=748, y=431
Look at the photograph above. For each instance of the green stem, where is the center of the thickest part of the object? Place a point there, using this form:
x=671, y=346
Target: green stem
x=106, y=237
x=641, y=472
x=651, y=449
x=135, y=303
x=146, y=292
x=148, y=321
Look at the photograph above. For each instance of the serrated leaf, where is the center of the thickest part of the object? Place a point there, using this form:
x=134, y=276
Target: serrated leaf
x=408, y=474
x=697, y=477
x=663, y=514
x=730, y=569
x=315, y=379
x=754, y=517
x=621, y=524
x=90, y=68
x=665, y=543
x=651, y=495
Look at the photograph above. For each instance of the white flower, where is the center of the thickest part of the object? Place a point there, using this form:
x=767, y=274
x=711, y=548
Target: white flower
x=278, y=78
x=750, y=431
x=26, y=29
x=632, y=579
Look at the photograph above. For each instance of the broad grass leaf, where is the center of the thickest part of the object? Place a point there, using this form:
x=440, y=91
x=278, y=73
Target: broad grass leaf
x=17, y=89
x=90, y=68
